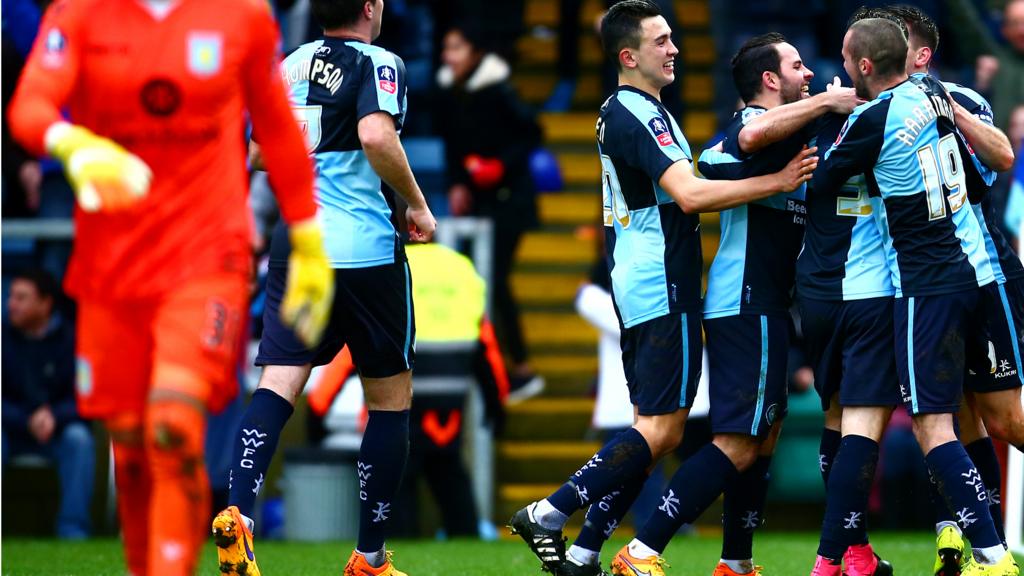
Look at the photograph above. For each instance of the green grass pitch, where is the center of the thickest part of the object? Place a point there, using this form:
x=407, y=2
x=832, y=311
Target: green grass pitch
x=783, y=554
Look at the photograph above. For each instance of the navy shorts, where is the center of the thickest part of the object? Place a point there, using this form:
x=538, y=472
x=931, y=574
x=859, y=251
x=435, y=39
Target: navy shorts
x=372, y=313
x=850, y=347
x=747, y=357
x=1003, y=308
x=662, y=361
x=936, y=341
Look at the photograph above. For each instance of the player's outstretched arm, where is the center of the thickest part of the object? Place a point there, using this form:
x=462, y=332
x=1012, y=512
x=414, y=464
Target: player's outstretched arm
x=783, y=121
x=384, y=150
x=694, y=194
x=989, y=143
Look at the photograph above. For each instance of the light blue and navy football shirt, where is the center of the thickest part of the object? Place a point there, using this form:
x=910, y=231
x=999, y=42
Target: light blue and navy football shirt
x=1006, y=265
x=843, y=256
x=653, y=247
x=754, y=269
x=906, y=144
x=332, y=84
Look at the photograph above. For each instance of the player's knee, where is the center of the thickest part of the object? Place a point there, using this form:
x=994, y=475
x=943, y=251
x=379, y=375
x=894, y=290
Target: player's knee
x=662, y=443
x=391, y=393
x=1006, y=429
x=77, y=437
x=174, y=437
x=741, y=450
x=125, y=430
x=285, y=381
x=663, y=434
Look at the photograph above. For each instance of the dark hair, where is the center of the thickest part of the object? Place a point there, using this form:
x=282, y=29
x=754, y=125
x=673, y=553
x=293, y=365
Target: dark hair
x=921, y=26
x=473, y=32
x=331, y=14
x=46, y=285
x=881, y=41
x=757, y=56
x=620, y=27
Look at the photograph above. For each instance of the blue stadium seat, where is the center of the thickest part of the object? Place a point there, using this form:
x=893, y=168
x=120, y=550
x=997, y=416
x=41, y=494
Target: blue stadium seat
x=547, y=176
x=426, y=158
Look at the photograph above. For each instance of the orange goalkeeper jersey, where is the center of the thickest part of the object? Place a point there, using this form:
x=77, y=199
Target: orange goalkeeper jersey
x=175, y=89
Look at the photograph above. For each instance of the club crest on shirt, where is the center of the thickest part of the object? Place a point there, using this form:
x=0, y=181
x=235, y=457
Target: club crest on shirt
x=387, y=79
x=842, y=132
x=660, y=131
x=205, y=52
x=83, y=376
x=54, y=48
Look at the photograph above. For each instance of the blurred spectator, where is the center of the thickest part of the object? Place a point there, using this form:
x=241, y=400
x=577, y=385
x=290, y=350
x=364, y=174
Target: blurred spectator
x=20, y=24
x=999, y=69
x=569, y=32
x=499, y=24
x=1008, y=191
x=489, y=135
x=39, y=412
x=31, y=187
x=21, y=173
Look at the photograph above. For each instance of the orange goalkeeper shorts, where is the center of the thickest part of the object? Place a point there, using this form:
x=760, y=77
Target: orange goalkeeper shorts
x=189, y=342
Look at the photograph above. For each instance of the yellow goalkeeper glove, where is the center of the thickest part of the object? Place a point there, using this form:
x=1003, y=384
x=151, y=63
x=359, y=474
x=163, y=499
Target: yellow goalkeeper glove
x=310, y=290
x=103, y=175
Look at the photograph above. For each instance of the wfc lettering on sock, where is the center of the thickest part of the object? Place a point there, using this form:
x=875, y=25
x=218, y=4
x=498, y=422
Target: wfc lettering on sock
x=364, y=477
x=250, y=444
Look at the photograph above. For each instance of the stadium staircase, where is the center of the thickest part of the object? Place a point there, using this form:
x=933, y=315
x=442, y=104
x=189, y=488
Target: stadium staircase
x=547, y=437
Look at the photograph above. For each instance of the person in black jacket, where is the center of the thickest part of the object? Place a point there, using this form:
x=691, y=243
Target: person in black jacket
x=39, y=411
x=489, y=135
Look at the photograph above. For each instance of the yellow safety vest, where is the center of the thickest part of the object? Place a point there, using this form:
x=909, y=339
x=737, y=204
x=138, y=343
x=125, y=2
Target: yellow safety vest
x=449, y=297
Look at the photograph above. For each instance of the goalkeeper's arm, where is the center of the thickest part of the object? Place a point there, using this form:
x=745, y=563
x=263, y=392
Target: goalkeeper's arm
x=103, y=175
x=307, y=299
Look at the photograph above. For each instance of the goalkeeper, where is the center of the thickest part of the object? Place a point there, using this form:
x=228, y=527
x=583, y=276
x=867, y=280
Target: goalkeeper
x=351, y=127
x=162, y=261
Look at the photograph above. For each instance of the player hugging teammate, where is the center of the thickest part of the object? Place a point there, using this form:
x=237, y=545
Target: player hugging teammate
x=904, y=290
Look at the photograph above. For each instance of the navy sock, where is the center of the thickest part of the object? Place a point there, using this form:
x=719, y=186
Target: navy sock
x=604, y=516
x=830, y=440
x=256, y=442
x=847, y=494
x=964, y=492
x=617, y=462
x=983, y=454
x=743, y=510
x=694, y=487
x=381, y=463
x=940, y=510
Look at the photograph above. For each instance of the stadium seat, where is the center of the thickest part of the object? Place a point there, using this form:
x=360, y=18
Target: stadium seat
x=426, y=158
x=547, y=176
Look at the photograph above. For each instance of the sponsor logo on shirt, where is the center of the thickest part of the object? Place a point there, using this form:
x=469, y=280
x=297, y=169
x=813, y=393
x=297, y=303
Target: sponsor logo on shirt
x=387, y=79
x=160, y=97
x=322, y=51
x=660, y=131
x=205, y=51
